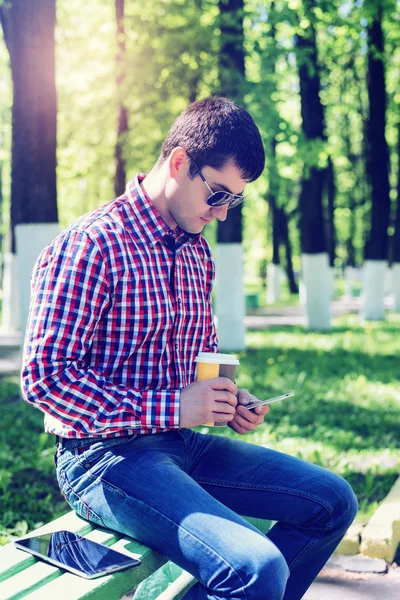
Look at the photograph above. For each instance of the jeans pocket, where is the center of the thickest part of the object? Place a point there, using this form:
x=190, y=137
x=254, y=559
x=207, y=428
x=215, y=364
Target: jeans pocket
x=92, y=454
x=76, y=500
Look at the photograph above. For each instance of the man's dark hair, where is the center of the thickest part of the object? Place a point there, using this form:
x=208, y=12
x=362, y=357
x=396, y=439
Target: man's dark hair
x=214, y=131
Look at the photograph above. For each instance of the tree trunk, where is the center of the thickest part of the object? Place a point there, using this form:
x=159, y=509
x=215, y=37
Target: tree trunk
x=378, y=153
x=312, y=225
x=230, y=298
x=274, y=269
x=29, y=35
x=376, y=247
x=330, y=223
x=350, y=248
x=363, y=184
x=396, y=236
x=276, y=232
x=284, y=228
x=231, y=75
x=122, y=130
x=317, y=282
x=313, y=124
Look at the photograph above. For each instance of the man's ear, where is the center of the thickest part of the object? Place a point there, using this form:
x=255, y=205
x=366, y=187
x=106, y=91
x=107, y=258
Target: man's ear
x=178, y=162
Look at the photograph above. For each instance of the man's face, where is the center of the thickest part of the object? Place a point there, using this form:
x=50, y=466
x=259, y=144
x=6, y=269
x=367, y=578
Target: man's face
x=187, y=204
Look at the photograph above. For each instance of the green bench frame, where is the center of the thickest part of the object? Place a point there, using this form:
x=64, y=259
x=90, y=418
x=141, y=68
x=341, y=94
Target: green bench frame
x=23, y=575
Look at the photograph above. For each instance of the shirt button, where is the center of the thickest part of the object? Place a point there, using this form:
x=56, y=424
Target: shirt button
x=176, y=345
x=179, y=300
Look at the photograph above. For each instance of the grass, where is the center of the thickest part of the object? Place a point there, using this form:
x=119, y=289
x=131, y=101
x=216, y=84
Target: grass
x=29, y=495
x=345, y=416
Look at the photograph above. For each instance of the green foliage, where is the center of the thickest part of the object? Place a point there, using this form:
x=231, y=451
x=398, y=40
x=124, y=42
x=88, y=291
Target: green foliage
x=29, y=493
x=87, y=105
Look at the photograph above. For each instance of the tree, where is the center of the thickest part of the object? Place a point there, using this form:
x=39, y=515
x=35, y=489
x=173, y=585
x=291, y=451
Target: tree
x=396, y=235
x=28, y=29
x=230, y=292
x=376, y=247
x=316, y=276
x=231, y=81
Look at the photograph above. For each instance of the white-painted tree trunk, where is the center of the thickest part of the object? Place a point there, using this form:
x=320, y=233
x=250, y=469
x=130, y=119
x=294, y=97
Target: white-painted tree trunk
x=396, y=286
x=230, y=300
x=317, y=290
x=373, y=290
x=302, y=292
x=31, y=238
x=274, y=273
x=331, y=279
x=10, y=318
x=388, y=281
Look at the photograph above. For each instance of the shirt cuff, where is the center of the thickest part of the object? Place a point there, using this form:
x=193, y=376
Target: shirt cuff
x=160, y=408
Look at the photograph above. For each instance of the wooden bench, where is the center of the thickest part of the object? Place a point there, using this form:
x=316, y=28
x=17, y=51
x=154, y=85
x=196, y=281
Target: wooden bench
x=24, y=576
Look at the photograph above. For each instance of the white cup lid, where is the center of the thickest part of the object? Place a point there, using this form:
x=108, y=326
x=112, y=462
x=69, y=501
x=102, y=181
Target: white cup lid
x=216, y=358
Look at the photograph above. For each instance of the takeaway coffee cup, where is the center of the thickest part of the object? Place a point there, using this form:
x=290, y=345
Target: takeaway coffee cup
x=211, y=365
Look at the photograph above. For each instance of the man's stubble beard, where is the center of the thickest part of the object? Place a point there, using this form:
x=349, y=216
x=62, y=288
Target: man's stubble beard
x=185, y=224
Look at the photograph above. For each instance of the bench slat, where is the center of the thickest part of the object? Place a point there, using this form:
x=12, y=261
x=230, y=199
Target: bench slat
x=13, y=561
x=178, y=588
x=29, y=579
x=111, y=587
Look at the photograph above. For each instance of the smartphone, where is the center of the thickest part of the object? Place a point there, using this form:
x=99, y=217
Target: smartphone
x=269, y=401
x=77, y=554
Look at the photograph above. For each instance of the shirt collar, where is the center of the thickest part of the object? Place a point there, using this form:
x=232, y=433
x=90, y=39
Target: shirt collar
x=153, y=225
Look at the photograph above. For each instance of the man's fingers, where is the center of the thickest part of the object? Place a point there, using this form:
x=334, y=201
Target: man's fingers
x=224, y=407
x=224, y=396
x=262, y=410
x=223, y=383
x=244, y=396
x=238, y=428
x=247, y=414
x=222, y=416
x=245, y=424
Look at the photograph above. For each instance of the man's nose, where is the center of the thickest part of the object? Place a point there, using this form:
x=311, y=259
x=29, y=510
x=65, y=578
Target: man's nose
x=220, y=212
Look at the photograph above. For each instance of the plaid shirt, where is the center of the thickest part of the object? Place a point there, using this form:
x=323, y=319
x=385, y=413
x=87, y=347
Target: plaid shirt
x=116, y=320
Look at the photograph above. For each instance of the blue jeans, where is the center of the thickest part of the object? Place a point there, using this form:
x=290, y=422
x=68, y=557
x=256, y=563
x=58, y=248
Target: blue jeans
x=182, y=493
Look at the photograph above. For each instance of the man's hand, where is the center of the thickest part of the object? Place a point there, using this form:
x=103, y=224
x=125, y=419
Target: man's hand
x=208, y=401
x=247, y=420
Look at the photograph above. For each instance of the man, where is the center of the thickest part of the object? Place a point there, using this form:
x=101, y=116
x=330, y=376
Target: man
x=121, y=305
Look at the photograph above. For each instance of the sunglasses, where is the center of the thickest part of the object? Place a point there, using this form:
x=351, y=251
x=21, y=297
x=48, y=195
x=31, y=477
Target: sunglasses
x=220, y=198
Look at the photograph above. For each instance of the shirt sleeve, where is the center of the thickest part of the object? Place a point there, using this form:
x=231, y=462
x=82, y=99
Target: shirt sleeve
x=69, y=294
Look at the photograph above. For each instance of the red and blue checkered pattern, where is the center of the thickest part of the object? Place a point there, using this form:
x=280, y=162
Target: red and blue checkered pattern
x=109, y=343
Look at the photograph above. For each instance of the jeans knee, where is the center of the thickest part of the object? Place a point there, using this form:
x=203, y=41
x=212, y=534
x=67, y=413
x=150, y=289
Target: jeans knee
x=346, y=506
x=271, y=579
